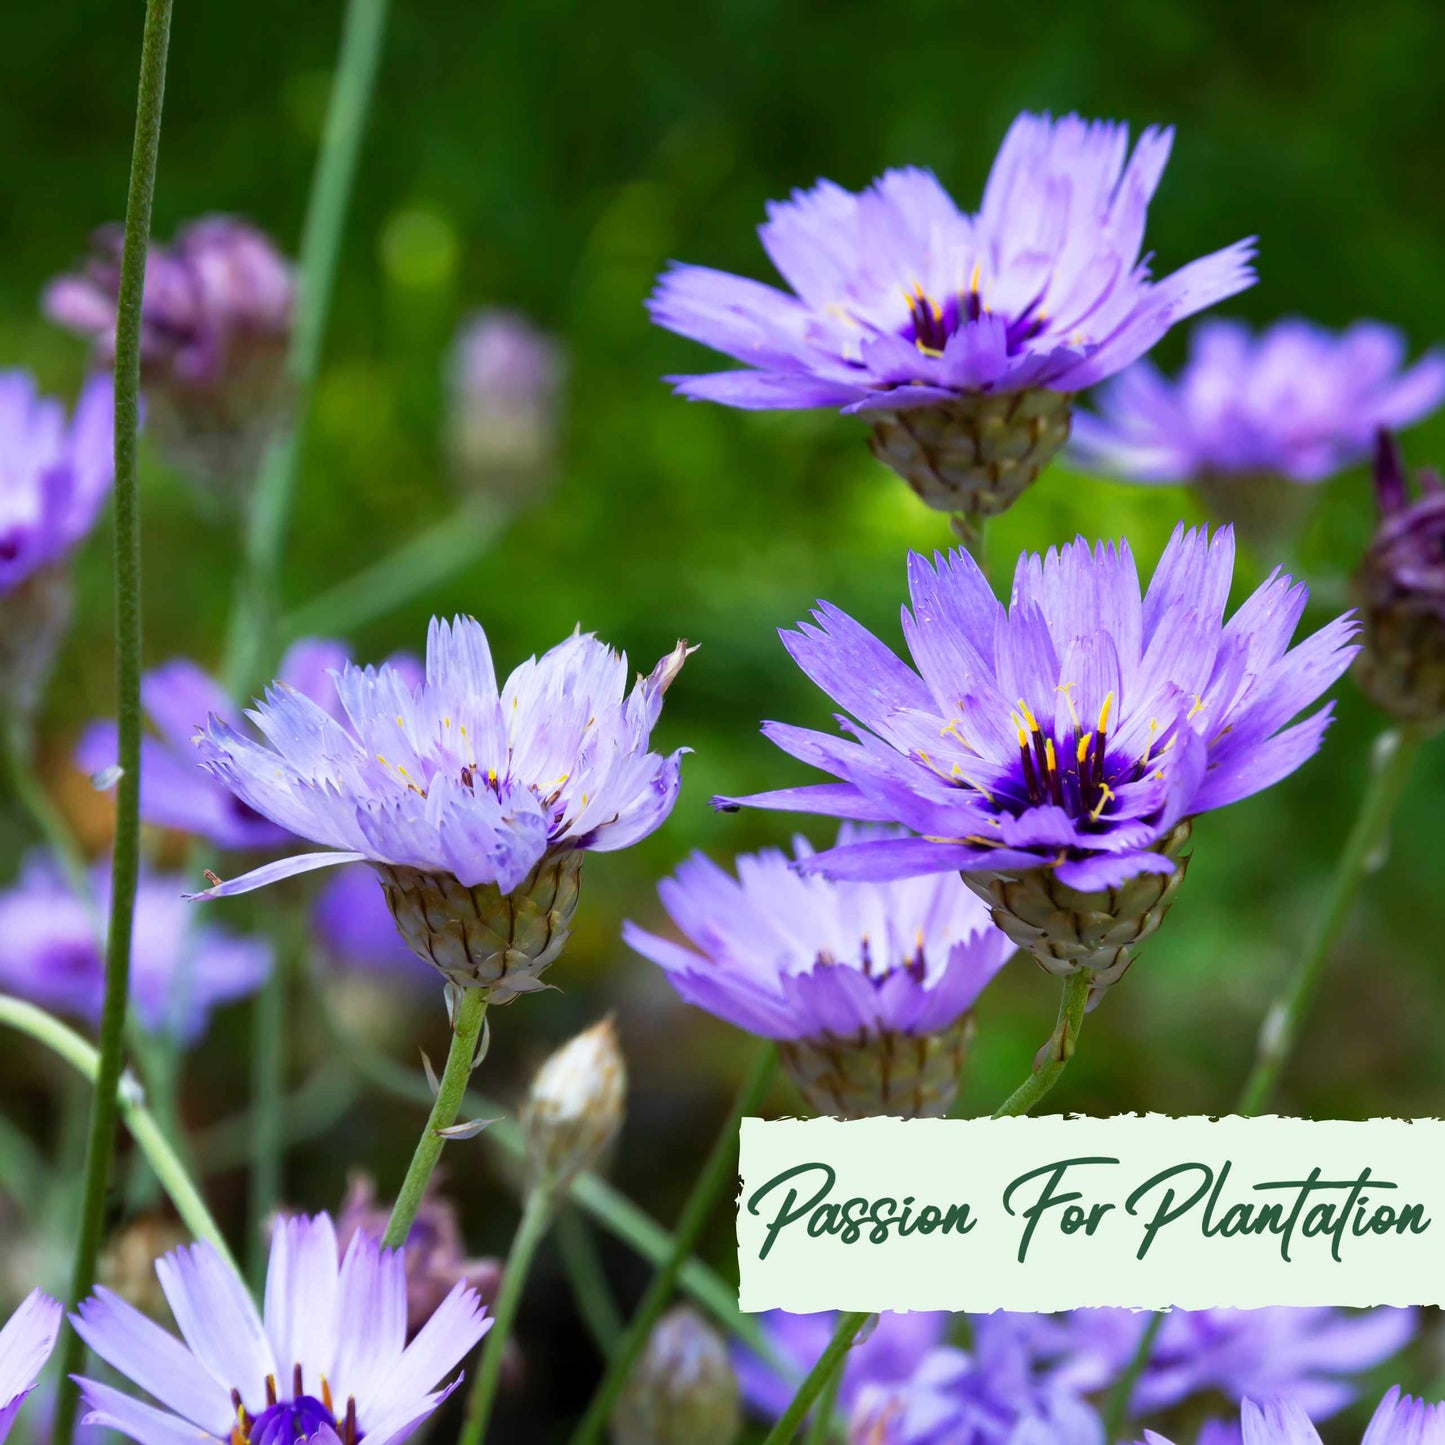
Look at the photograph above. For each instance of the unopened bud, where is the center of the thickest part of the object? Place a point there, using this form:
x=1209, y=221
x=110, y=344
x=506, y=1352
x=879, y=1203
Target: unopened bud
x=682, y=1391
x=575, y=1106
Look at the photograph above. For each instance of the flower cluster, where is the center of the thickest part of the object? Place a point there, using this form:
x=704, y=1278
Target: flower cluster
x=961, y=336
x=867, y=986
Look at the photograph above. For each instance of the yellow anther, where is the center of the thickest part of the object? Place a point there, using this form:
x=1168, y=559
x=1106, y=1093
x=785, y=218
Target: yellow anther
x=1105, y=711
x=1050, y=760
x=973, y=280
x=491, y=775
x=399, y=722
x=1084, y=747
x=1023, y=738
x=1029, y=718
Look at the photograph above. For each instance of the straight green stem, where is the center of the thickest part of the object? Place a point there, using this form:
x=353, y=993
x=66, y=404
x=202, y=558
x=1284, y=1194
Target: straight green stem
x=590, y=1290
x=268, y=1091
x=719, y=1170
x=68, y=1045
x=471, y=1009
x=1117, y=1408
x=830, y=1362
x=1395, y=752
x=1056, y=1053
x=125, y=862
x=532, y=1229
x=821, y=1430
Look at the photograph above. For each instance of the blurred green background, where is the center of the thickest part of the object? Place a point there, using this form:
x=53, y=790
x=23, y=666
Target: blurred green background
x=553, y=158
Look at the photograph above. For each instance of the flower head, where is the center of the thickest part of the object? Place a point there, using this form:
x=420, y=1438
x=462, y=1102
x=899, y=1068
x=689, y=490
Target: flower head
x=178, y=697
x=55, y=473
x=903, y=305
x=25, y=1345
x=1296, y=401
x=504, y=386
x=214, y=330
x=1064, y=743
x=1401, y=588
x=867, y=985
x=682, y=1390
x=434, y=1251
x=1304, y=1355
x=50, y=952
x=474, y=803
x=328, y=1354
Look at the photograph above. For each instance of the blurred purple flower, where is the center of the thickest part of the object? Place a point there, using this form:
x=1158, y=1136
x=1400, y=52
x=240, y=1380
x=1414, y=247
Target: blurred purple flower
x=1307, y=1356
x=1399, y=1420
x=327, y=1361
x=847, y=969
x=25, y=1345
x=504, y=384
x=436, y=1261
x=178, y=697
x=215, y=326
x=1295, y=401
x=903, y=300
x=181, y=970
x=1068, y=740
x=457, y=776
x=1401, y=588
x=55, y=473
x=353, y=925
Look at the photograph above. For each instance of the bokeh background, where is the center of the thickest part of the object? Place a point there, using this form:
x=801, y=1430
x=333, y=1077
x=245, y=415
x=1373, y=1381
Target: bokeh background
x=552, y=158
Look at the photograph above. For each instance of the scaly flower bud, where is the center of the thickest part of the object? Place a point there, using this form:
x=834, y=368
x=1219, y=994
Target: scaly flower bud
x=1401, y=589
x=682, y=1391
x=575, y=1105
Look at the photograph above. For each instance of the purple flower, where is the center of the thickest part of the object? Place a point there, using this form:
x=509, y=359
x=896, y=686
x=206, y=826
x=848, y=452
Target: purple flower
x=904, y=305
x=504, y=385
x=50, y=952
x=25, y=1345
x=868, y=985
x=214, y=330
x=1399, y=1420
x=474, y=804
x=55, y=473
x=329, y=1353
x=1066, y=742
x=1307, y=1356
x=353, y=925
x=1401, y=588
x=178, y=697
x=1295, y=401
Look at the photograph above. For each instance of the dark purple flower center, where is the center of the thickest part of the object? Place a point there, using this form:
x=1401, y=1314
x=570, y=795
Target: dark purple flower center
x=931, y=323
x=1075, y=776
x=915, y=965
x=293, y=1421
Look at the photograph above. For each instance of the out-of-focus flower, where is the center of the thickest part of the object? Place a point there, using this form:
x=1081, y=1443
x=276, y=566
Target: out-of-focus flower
x=868, y=987
x=25, y=1345
x=330, y=1353
x=178, y=698
x=475, y=805
x=575, y=1105
x=353, y=925
x=55, y=474
x=215, y=327
x=1296, y=401
x=961, y=337
x=1057, y=752
x=504, y=385
x=181, y=969
x=436, y=1261
x=128, y=1262
x=1308, y=1356
x=1399, y=1420
x=682, y=1390
x=1401, y=589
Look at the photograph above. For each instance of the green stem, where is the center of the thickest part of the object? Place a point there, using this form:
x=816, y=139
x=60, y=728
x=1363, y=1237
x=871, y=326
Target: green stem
x=830, y=1362
x=1395, y=752
x=326, y=208
x=536, y=1215
x=125, y=863
x=268, y=1088
x=471, y=1009
x=591, y=1193
x=1055, y=1055
x=419, y=564
x=85, y=1060
x=972, y=531
x=1121, y=1397
x=718, y=1172
x=590, y=1289
x=822, y=1428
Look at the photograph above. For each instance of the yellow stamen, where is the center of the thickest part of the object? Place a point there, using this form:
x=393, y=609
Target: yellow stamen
x=1084, y=747
x=1104, y=713
x=1106, y=792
